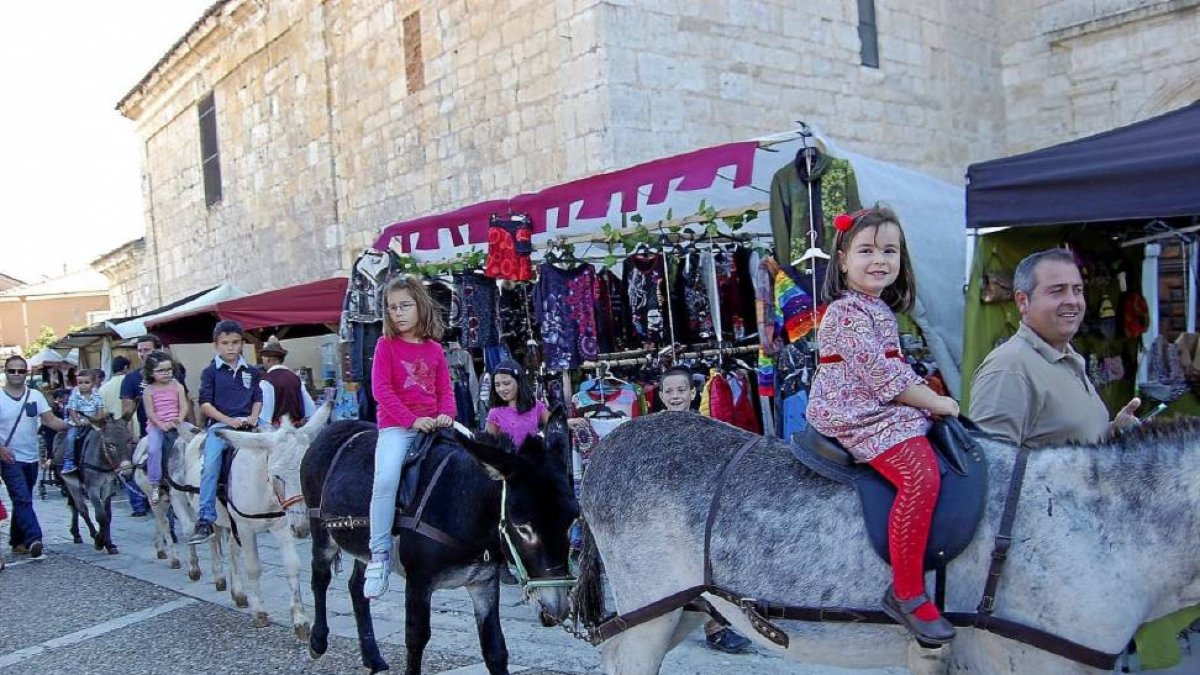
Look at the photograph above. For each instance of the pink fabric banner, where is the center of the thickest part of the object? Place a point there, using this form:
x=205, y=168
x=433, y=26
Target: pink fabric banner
x=695, y=170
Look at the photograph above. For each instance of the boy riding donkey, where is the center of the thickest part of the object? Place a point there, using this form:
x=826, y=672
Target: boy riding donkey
x=230, y=398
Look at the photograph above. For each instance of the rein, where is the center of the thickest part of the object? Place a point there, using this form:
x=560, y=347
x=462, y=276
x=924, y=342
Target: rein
x=760, y=612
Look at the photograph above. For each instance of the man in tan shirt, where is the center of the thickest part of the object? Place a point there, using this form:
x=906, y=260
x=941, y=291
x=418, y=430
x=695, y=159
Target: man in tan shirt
x=1033, y=390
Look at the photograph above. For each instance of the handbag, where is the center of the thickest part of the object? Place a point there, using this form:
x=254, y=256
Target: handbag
x=995, y=284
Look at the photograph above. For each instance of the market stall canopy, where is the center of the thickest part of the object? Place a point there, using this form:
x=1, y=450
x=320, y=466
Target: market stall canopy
x=50, y=358
x=138, y=325
x=730, y=176
x=85, y=337
x=1150, y=169
x=304, y=310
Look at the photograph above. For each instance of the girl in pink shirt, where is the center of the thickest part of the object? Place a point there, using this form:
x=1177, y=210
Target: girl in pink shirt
x=865, y=395
x=165, y=402
x=411, y=383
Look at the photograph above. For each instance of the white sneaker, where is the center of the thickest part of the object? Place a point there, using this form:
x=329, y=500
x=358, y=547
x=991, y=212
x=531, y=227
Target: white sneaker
x=378, y=571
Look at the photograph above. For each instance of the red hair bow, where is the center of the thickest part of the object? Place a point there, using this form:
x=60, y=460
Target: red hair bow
x=843, y=222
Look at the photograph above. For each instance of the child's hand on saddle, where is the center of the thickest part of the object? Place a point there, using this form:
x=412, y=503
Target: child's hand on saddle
x=425, y=424
x=945, y=406
x=443, y=421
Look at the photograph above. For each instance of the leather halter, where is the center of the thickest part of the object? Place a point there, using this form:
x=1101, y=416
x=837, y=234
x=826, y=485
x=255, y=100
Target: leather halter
x=759, y=612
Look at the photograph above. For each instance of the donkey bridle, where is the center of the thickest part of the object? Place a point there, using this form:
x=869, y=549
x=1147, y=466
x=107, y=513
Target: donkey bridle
x=760, y=612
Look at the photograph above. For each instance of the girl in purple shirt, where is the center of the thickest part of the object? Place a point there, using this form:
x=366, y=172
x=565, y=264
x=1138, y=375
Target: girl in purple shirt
x=514, y=410
x=865, y=395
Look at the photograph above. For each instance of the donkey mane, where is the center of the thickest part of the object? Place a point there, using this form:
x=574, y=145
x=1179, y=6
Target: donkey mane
x=1152, y=472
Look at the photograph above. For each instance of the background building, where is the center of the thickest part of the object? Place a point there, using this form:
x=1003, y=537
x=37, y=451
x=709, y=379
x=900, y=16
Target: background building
x=72, y=300
x=279, y=137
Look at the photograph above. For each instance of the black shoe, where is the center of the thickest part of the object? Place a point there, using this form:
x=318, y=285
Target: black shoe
x=139, y=514
x=202, y=533
x=35, y=551
x=727, y=640
x=936, y=632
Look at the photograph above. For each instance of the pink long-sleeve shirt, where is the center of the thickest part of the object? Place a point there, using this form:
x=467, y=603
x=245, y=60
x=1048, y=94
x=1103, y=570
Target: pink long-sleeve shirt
x=861, y=374
x=410, y=380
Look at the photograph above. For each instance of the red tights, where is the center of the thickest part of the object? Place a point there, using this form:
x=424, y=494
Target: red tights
x=913, y=469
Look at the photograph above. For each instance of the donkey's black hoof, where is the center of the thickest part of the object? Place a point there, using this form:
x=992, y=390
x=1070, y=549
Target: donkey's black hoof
x=77, y=539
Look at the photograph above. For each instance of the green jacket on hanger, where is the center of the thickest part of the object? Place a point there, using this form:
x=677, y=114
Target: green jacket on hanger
x=834, y=182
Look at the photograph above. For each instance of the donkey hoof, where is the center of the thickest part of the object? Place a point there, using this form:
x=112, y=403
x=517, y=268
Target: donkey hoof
x=240, y=600
x=194, y=575
x=376, y=665
x=220, y=584
x=174, y=565
x=161, y=555
x=112, y=549
x=302, y=632
x=76, y=538
x=261, y=620
x=98, y=544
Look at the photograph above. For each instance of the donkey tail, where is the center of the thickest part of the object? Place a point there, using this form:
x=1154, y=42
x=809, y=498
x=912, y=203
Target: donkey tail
x=588, y=596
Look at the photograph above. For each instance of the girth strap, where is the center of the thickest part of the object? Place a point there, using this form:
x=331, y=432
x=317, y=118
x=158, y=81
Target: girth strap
x=1003, y=535
x=716, y=504
x=414, y=522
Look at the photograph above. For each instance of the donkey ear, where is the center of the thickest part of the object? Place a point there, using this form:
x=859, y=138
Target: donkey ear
x=500, y=464
x=246, y=440
x=318, y=420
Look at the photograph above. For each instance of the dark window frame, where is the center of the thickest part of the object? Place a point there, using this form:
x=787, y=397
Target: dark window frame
x=868, y=34
x=210, y=154
x=414, y=60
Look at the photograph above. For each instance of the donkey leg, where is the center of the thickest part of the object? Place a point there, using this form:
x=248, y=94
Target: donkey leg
x=324, y=550
x=74, y=521
x=371, y=658
x=237, y=581
x=291, y=567
x=163, y=544
x=104, y=516
x=640, y=650
x=485, y=599
x=251, y=567
x=418, y=595
x=219, y=581
x=688, y=622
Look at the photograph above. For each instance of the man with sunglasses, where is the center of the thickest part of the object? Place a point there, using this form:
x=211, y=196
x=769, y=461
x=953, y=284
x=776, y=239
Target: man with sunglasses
x=22, y=409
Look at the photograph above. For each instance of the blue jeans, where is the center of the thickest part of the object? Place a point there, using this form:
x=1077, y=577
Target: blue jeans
x=390, y=450
x=210, y=472
x=20, y=478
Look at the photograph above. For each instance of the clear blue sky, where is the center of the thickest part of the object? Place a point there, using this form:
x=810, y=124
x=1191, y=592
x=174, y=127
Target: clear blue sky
x=71, y=169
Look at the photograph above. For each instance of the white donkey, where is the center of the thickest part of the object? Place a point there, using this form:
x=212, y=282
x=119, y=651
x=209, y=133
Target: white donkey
x=186, y=478
x=264, y=496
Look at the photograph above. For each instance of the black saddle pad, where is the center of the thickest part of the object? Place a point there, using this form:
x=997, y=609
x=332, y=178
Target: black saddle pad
x=60, y=445
x=960, y=504
x=353, y=471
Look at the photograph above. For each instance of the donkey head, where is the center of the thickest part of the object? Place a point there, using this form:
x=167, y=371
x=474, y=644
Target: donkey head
x=115, y=445
x=283, y=450
x=540, y=508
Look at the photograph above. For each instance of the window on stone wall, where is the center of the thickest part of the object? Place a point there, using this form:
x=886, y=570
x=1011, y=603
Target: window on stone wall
x=868, y=36
x=210, y=159
x=414, y=66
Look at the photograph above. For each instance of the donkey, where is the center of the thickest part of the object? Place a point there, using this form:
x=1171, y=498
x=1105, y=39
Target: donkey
x=1106, y=537
x=106, y=456
x=264, y=496
x=464, y=507
x=181, y=471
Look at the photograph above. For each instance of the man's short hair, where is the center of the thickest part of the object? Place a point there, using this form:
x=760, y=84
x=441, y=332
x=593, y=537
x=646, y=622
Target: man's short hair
x=119, y=364
x=150, y=337
x=226, y=326
x=1025, y=277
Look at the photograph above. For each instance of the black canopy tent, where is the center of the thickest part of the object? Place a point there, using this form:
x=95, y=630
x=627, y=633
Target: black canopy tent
x=1150, y=169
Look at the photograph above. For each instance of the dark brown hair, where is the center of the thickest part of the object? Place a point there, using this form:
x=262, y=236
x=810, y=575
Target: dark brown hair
x=429, y=319
x=903, y=291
